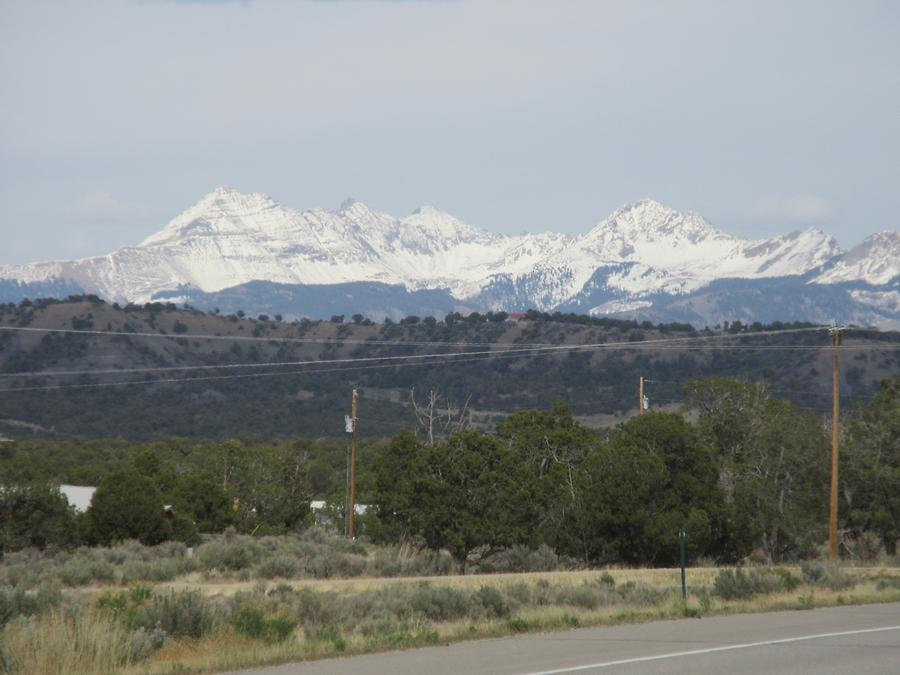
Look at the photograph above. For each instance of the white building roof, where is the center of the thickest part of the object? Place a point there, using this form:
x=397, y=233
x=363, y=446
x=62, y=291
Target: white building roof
x=318, y=505
x=78, y=496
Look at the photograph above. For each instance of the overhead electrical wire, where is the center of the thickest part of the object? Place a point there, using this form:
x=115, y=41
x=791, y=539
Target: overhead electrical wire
x=256, y=338
x=654, y=344
x=451, y=356
x=89, y=385
x=812, y=392
x=397, y=361
x=340, y=340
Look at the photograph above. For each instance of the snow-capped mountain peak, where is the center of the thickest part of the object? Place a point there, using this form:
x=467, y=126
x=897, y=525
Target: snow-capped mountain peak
x=648, y=219
x=641, y=250
x=221, y=212
x=651, y=248
x=876, y=260
x=444, y=227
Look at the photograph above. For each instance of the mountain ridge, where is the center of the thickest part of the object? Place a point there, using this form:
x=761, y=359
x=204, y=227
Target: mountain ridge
x=640, y=251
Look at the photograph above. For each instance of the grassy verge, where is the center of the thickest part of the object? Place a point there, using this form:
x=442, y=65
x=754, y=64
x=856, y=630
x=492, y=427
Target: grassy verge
x=202, y=625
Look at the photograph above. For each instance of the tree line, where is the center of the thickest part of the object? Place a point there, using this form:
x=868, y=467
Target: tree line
x=745, y=473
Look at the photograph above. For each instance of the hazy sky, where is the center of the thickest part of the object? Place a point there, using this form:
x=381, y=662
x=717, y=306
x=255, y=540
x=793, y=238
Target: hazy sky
x=514, y=116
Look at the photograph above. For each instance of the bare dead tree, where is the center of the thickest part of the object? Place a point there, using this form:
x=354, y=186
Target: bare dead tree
x=426, y=414
x=435, y=419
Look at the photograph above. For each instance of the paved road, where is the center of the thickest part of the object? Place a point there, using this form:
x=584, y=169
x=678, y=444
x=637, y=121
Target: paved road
x=859, y=640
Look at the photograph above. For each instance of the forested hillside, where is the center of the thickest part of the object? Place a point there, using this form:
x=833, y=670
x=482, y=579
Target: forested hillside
x=204, y=375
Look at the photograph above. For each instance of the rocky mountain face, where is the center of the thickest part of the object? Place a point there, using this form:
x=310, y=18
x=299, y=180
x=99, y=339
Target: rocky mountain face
x=644, y=260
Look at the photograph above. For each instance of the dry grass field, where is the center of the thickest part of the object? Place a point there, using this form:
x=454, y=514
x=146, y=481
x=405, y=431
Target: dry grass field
x=198, y=622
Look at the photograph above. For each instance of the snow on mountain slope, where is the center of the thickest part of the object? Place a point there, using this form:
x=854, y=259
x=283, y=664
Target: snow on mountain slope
x=875, y=261
x=677, y=252
x=229, y=238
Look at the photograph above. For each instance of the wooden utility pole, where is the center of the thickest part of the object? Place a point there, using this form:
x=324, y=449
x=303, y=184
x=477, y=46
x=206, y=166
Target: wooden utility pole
x=351, y=507
x=835, y=440
x=641, y=397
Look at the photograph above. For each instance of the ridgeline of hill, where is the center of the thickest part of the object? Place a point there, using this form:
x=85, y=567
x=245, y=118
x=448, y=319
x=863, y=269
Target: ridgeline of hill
x=599, y=383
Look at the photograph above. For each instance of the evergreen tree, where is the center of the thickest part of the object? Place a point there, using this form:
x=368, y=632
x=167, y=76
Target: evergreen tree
x=127, y=505
x=871, y=469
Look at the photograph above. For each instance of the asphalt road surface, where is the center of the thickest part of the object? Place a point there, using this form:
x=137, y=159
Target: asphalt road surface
x=858, y=640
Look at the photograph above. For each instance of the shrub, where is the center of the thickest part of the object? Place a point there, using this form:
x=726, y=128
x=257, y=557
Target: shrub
x=643, y=595
x=830, y=576
x=227, y=555
x=491, y=602
x=440, y=603
x=74, y=642
x=142, y=643
x=812, y=572
x=888, y=582
x=314, y=609
x=16, y=601
x=404, y=634
x=353, y=565
x=517, y=624
x=404, y=560
x=282, y=566
x=427, y=563
x=138, y=594
x=184, y=614
x=739, y=585
x=250, y=621
x=157, y=570
x=522, y=559
x=113, y=603
x=80, y=571
x=519, y=593
x=326, y=564
x=330, y=635
x=789, y=581
x=280, y=628
x=585, y=596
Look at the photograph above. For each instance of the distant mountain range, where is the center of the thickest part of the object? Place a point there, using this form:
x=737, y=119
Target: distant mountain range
x=246, y=251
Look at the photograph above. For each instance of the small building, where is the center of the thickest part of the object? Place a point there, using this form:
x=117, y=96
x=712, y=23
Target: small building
x=78, y=496
x=515, y=317
x=320, y=505
x=332, y=515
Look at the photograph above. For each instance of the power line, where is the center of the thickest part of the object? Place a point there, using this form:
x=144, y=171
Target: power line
x=341, y=340
x=394, y=423
x=253, y=338
x=656, y=344
x=799, y=407
x=821, y=393
x=595, y=346
x=338, y=341
x=435, y=359
x=531, y=351
x=94, y=385
x=314, y=371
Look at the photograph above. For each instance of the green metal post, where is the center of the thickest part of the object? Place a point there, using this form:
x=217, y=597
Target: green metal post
x=681, y=538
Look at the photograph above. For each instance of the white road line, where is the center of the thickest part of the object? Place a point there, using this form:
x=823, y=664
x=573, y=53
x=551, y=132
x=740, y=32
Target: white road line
x=710, y=650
